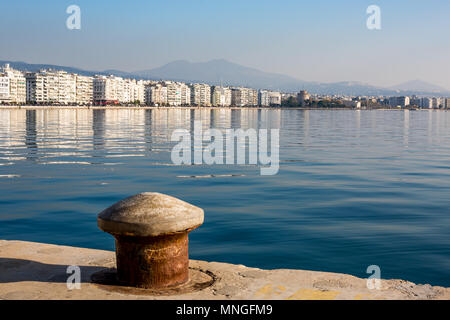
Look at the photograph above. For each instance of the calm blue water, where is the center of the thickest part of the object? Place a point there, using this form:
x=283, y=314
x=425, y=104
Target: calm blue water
x=355, y=188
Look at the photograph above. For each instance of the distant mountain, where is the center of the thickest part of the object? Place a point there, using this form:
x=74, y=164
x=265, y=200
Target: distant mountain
x=221, y=71
x=347, y=88
x=216, y=72
x=418, y=85
x=23, y=66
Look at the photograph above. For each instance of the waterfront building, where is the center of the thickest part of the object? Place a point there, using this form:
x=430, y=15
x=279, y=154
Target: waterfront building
x=399, y=101
x=200, y=94
x=403, y=101
x=252, y=97
x=352, y=104
x=302, y=97
x=67, y=87
x=4, y=88
x=221, y=96
x=156, y=94
x=437, y=103
x=427, y=103
x=241, y=97
x=415, y=101
x=50, y=86
x=108, y=90
x=17, y=84
x=264, y=99
x=173, y=93
x=447, y=103
x=84, y=90
x=238, y=97
x=185, y=94
x=178, y=93
x=268, y=98
x=132, y=91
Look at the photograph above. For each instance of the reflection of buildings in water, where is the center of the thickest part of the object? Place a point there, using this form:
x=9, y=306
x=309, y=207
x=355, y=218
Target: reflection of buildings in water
x=306, y=121
x=12, y=128
x=203, y=115
x=160, y=125
x=98, y=129
x=178, y=118
x=31, y=134
x=373, y=120
x=430, y=126
x=124, y=129
x=165, y=121
x=235, y=118
x=70, y=127
x=270, y=119
x=260, y=119
x=249, y=119
x=71, y=132
x=358, y=124
x=406, y=127
x=148, y=130
x=221, y=118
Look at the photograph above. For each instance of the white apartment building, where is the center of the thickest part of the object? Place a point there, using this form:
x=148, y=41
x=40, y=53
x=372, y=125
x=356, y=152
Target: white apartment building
x=67, y=87
x=108, y=90
x=84, y=90
x=133, y=91
x=156, y=94
x=252, y=97
x=4, y=88
x=173, y=93
x=241, y=97
x=200, y=94
x=221, y=96
x=178, y=93
x=17, y=84
x=399, y=101
x=185, y=94
x=50, y=86
x=268, y=98
x=437, y=103
x=427, y=103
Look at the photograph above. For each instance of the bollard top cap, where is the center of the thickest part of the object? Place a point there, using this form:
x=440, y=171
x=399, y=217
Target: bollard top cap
x=150, y=214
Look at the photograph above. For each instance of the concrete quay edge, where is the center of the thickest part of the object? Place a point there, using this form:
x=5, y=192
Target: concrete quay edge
x=35, y=271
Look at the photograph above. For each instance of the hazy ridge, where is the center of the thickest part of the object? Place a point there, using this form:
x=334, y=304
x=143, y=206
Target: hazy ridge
x=216, y=72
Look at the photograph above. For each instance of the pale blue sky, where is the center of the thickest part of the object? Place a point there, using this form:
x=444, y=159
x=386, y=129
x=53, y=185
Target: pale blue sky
x=321, y=40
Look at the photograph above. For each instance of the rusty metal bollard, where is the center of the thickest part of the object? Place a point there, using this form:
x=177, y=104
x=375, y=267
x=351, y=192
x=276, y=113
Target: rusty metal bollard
x=151, y=232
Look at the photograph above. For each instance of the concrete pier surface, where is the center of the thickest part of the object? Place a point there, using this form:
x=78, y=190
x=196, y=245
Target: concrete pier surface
x=40, y=271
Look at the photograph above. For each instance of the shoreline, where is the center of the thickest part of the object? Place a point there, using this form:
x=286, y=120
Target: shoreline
x=63, y=107
x=37, y=271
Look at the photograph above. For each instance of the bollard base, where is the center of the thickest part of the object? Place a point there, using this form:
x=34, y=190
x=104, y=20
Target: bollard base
x=153, y=262
x=198, y=280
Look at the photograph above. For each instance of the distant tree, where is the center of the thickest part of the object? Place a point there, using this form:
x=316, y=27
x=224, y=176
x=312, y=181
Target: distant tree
x=291, y=102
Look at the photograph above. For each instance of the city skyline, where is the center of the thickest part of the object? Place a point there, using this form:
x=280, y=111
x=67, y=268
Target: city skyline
x=50, y=86
x=324, y=41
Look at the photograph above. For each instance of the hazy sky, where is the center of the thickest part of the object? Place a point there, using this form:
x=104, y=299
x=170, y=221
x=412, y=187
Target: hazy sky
x=320, y=40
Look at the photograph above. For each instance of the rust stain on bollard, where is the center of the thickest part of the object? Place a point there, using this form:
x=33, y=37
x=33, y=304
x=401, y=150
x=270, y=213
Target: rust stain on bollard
x=153, y=262
x=151, y=232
